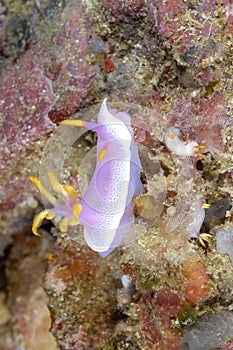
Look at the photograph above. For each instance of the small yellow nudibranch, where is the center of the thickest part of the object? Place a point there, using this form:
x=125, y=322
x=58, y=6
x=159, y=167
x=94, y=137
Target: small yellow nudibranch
x=178, y=147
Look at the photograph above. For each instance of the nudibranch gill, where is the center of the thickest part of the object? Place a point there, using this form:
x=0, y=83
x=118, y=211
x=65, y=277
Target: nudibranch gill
x=106, y=208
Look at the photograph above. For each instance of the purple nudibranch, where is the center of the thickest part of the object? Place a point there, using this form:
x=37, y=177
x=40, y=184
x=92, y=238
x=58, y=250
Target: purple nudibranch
x=106, y=208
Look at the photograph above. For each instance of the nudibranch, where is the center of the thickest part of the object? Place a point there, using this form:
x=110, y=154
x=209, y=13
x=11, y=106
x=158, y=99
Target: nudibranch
x=106, y=208
x=195, y=223
x=178, y=147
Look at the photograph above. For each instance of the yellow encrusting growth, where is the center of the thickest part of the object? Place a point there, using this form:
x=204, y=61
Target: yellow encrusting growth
x=102, y=154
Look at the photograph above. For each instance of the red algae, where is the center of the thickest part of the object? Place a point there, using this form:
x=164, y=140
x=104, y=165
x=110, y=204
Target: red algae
x=82, y=297
x=109, y=65
x=63, y=271
x=197, y=287
x=166, y=12
x=193, y=33
x=120, y=8
x=52, y=76
x=167, y=303
x=186, y=115
x=156, y=312
x=228, y=346
x=182, y=24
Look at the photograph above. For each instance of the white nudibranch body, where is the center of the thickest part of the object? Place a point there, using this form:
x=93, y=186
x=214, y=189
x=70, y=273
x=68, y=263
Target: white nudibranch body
x=195, y=219
x=178, y=147
x=126, y=281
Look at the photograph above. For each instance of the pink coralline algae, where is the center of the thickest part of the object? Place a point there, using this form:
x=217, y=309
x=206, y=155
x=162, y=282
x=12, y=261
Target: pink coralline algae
x=66, y=63
x=155, y=314
x=168, y=26
x=121, y=8
x=192, y=31
x=187, y=113
x=169, y=14
x=30, y=317
x=2, y=25
x=228, y=346
x=26, y=98
x=229, y=15
x=51, y=78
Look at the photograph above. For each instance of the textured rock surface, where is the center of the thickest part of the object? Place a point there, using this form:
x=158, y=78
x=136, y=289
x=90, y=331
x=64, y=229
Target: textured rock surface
x=209, y=333
x=30, y=316
x=224, y=237
x=46, y=83
x=173, y=60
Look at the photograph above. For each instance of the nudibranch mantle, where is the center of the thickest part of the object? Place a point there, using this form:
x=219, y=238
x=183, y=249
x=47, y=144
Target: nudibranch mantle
x=106, y=208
